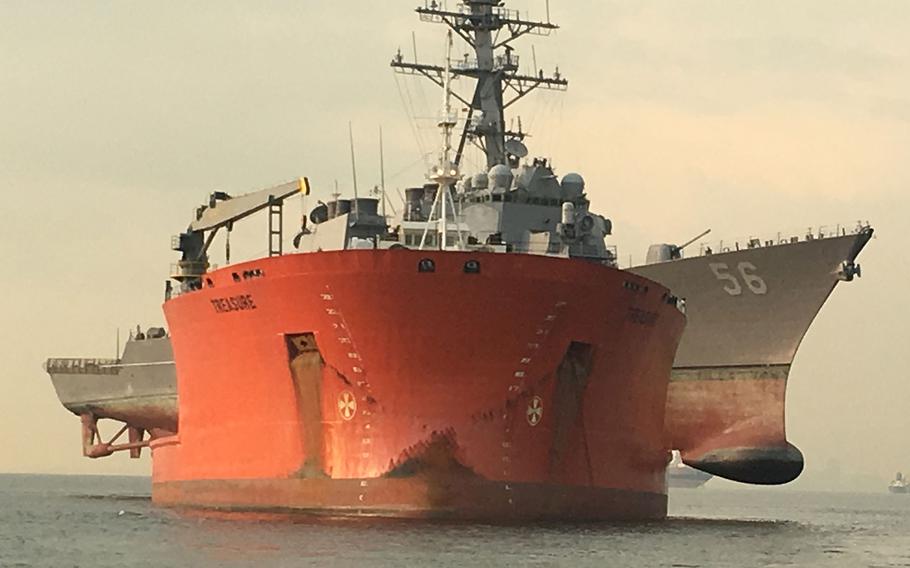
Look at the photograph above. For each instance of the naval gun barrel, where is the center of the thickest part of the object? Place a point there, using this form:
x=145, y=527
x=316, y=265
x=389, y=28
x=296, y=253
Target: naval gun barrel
x=690, y=241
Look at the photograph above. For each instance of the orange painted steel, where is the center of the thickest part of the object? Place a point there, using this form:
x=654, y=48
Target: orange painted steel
x=493, y=395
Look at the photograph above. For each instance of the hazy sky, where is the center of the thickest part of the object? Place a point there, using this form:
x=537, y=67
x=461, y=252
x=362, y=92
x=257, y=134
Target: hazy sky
x=117, y=118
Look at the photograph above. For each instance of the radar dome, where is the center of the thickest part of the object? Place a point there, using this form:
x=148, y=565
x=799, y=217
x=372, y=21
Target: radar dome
x=573, y=185
x=500, y=177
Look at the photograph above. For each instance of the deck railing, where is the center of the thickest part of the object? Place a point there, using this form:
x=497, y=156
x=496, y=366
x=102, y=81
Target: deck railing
x=82, y=366
x=783, y=238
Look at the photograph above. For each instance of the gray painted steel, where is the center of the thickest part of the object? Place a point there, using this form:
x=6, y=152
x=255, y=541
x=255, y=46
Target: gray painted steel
x=140, y=388
x=220, y=213
x=748, y=311
x=753, y=306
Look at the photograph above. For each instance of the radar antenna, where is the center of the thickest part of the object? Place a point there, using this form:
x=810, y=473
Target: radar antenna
x=486, y=26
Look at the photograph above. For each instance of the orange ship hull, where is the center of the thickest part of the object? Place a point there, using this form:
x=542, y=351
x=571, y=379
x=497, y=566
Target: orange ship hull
x=351, y=383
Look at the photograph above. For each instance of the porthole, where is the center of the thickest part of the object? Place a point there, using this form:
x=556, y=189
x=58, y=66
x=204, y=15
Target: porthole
x=426, y=265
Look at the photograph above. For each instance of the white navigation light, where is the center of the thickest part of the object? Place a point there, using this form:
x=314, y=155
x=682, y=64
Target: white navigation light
x=568, y=214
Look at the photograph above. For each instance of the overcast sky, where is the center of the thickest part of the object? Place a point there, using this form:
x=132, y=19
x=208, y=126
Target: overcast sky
x=749, y=118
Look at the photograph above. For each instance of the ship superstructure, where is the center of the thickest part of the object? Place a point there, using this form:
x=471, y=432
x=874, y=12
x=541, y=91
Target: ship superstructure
x=900, y=485
x=515, y=205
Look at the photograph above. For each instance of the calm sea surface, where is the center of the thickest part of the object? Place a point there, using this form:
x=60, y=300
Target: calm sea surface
x=109, y=521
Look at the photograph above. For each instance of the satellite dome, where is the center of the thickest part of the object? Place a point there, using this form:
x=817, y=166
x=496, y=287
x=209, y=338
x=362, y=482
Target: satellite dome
x=573, y=185
x=500, y=177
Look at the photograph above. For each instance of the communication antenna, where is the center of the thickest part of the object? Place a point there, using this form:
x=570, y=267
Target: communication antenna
x=382, y=171
x=227, y=244
x=498, y=81
x=446, y=173
x=353, y=168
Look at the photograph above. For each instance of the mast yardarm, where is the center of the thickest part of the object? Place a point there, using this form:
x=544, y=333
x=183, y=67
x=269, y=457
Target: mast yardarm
x=489, y=29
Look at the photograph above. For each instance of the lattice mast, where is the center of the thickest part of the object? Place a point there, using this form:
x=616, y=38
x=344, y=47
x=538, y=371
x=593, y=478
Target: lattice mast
x=446, y=172
x=489, y=29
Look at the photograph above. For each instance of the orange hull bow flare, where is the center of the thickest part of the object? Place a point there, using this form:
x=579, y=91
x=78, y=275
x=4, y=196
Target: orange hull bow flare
x=346, y=388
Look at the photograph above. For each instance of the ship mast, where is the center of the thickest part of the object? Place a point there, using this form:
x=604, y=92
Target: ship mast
x=486, y=26
x=446, y=172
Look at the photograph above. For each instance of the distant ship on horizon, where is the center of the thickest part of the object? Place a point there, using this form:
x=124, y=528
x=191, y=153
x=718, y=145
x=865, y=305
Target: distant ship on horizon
x=899, y=485
x=681, y=476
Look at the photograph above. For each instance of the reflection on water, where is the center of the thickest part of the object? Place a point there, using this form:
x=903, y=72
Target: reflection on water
x=102, y=521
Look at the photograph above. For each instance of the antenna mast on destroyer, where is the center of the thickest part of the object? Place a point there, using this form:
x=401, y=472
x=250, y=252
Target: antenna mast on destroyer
x=481, y=23
x=446, y=172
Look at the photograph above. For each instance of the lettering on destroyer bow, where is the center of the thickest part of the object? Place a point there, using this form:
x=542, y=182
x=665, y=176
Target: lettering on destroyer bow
x=233, y=304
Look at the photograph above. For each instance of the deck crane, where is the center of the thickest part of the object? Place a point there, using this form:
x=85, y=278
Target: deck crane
x=222, y=211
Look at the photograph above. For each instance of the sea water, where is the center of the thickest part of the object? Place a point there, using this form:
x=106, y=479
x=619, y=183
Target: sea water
x=62, y=521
